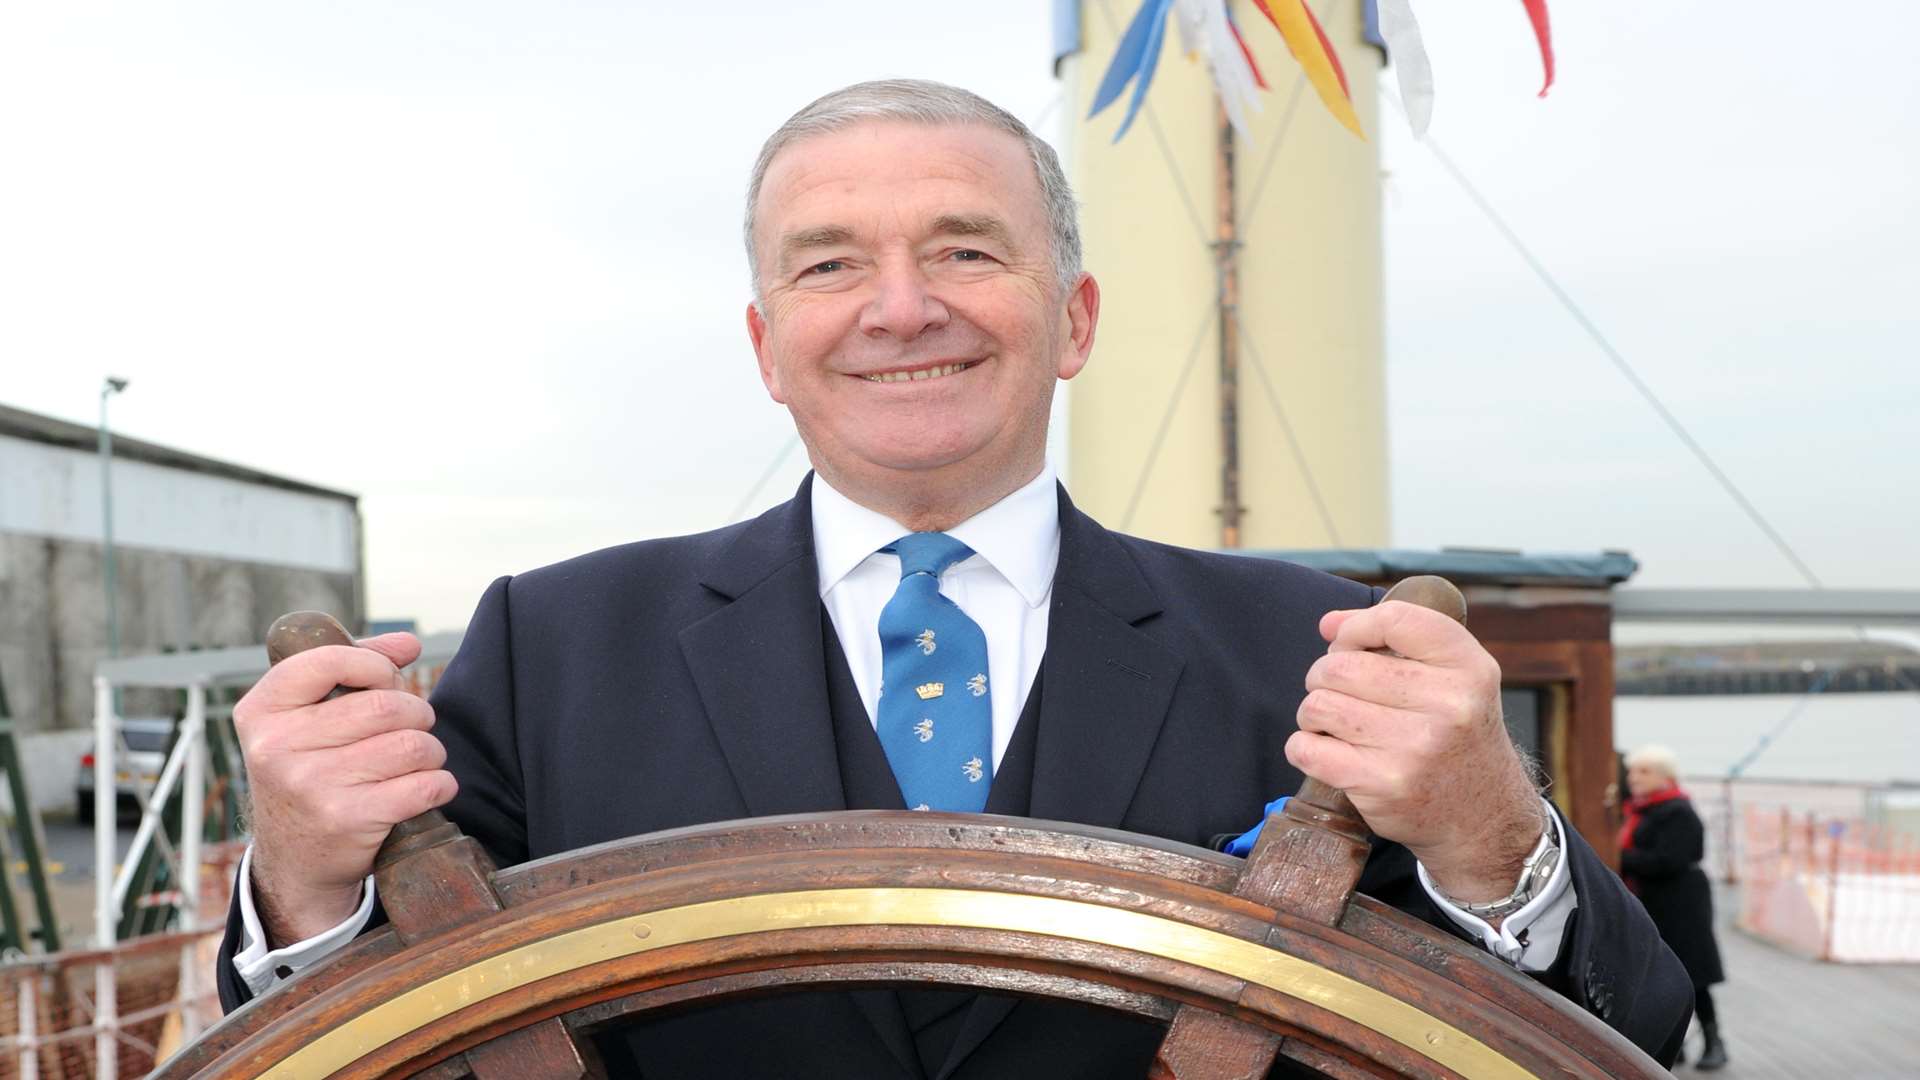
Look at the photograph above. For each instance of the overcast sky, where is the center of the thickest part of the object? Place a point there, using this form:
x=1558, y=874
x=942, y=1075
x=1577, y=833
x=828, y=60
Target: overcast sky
x=480, y=263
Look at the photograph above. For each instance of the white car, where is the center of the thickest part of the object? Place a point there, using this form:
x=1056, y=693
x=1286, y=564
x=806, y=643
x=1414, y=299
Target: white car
x=144, y=755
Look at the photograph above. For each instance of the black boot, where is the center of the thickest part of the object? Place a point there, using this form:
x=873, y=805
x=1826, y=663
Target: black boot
x=1715, y=1054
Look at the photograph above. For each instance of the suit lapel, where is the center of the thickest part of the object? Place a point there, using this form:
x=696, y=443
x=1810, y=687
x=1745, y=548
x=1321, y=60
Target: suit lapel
x=761, y=669
x=1108, y=682
x=760, y=664
x=1108, y=686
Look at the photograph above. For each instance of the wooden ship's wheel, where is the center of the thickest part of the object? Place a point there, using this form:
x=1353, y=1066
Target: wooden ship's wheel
x=508, y=973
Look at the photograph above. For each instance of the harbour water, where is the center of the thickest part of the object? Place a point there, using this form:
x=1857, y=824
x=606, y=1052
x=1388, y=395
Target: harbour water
x=1865, y=739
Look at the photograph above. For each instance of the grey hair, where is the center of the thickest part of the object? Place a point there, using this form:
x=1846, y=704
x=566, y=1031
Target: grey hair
x=1656, y=757
x=920, y=101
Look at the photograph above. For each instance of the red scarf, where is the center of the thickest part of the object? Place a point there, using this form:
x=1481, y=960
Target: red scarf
x=1638, y=805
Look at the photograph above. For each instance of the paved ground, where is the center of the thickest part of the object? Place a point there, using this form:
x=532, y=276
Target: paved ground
x=1788, y=1018
x=70, y=857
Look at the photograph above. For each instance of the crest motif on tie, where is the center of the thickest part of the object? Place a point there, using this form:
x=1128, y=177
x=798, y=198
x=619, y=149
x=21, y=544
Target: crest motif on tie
x=974, y=769
x=978, y=684
x=930, y=690
x=926, y=642
x=924, y=729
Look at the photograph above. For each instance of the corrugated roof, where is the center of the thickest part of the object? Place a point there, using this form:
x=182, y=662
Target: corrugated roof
x=46, y=429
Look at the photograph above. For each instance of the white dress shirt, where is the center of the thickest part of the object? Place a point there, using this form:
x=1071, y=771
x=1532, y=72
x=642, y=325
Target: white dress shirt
x=1005, y=586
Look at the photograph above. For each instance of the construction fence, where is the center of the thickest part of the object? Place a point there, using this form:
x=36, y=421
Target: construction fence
x=1827, y=870
x=50, y=1019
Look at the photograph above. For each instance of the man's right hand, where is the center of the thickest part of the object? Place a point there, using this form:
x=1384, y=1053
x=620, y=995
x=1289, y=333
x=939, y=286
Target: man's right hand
x=328, y=779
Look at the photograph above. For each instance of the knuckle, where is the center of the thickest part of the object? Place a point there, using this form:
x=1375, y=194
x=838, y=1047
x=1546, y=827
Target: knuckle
x=422, y=750
x=1345, y=667
x=424, y=789
x=1316, y=706
x=1300, y=751
x=381, y=708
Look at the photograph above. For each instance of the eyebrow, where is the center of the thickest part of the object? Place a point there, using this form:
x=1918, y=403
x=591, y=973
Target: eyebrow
x=985, y=226
x=801, y=240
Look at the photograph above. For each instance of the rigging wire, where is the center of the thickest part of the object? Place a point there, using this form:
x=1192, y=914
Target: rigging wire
x=1206, y=242
x=1280, y=136
x=1760, y=745
x=779, y=459
x=1166, y=419
x=1646, y=392
x=1619, y=361
x=1160, y=140
x=1286, y=427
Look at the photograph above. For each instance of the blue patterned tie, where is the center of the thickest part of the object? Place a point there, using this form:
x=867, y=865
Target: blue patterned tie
x=936, y=718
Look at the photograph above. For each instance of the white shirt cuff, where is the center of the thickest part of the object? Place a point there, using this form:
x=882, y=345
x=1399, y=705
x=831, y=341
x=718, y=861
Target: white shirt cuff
x=261, y=969
x=1529, y=939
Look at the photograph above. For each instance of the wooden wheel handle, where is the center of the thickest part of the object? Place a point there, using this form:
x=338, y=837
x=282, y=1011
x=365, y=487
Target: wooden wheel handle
x=429, y=877
x=1307, y=861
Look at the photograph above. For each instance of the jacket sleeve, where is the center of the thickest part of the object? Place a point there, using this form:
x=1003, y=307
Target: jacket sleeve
x=474, y=718
x=1612, y=962
x=233, y=989
x=1616, y=966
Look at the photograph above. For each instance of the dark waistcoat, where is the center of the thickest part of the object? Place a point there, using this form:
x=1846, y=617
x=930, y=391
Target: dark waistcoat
x=890, y=1034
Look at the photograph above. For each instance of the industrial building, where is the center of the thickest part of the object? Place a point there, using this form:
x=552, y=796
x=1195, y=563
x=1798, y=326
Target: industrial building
x=206, y=553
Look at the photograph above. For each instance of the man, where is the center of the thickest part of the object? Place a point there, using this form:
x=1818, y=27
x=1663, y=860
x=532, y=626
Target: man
x=928, y=624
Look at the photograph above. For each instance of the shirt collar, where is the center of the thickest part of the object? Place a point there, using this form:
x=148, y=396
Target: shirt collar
x=1019, y=536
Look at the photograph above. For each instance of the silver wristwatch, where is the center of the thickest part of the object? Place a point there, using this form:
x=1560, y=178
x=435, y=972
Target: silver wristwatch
x=1535, y=873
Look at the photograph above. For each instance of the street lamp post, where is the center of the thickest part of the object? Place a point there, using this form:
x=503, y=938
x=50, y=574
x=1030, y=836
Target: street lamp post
x=106, y=715
x=109, y=388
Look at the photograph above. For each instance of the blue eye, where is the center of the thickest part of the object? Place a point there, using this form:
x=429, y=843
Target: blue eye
x=969, y=255
x=827, y=267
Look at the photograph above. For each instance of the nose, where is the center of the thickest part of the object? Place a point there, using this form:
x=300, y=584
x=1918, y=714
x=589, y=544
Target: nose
x=901, y=306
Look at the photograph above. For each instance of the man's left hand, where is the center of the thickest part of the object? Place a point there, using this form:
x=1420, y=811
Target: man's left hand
x=1403, y=713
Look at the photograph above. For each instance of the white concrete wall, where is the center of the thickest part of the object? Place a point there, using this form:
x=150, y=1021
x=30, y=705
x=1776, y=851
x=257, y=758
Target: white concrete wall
x=55, y=491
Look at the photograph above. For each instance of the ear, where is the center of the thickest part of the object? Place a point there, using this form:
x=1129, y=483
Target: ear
x=760, y=334
x=1083, y=317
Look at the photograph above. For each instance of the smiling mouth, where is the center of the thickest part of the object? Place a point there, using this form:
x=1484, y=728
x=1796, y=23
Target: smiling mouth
x=921, y=374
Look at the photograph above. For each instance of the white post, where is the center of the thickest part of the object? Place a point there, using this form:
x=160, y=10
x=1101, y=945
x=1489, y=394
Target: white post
x=29, y=991
x=193, y=798
x=151, y=813
x=106, y=917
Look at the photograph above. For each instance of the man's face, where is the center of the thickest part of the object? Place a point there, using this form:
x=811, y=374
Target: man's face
x=911, y=318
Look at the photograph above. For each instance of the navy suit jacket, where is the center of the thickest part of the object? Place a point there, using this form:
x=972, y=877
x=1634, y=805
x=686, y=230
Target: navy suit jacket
x=683, y=681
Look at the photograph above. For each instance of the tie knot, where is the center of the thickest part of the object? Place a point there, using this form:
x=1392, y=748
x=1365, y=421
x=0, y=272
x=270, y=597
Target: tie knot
x=927, y=553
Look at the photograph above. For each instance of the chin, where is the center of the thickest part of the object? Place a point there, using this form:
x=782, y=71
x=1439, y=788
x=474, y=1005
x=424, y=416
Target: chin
x=922, y=449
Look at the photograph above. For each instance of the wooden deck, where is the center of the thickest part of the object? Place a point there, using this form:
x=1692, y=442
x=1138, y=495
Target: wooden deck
x=1788, y=1018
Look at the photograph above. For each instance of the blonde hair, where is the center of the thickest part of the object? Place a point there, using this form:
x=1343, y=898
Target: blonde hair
x=1658, y=758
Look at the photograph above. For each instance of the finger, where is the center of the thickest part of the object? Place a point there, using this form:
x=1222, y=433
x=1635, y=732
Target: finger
x=400, y=648
x=350, y=718
x=383, y=757
x=1412, y=631
x=1326, y=759
x=1386, y=679
x=1355, y=721
x=394, y=801
x=307, y=677
x=1331, y=622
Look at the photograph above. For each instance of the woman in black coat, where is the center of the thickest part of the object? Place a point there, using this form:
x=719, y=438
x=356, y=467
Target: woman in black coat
x=1661, y=844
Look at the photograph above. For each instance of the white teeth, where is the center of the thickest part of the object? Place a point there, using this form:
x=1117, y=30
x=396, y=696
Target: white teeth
x=923, y=373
